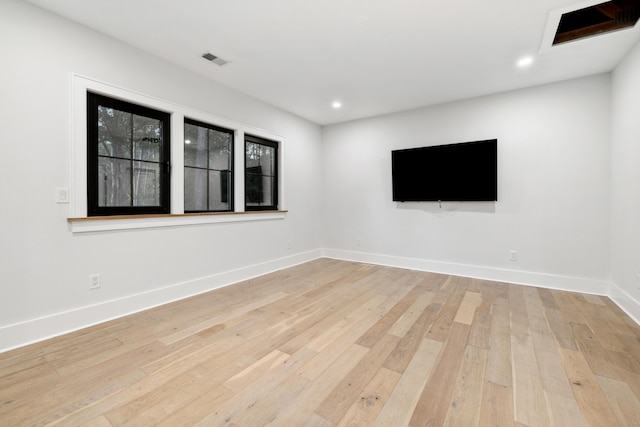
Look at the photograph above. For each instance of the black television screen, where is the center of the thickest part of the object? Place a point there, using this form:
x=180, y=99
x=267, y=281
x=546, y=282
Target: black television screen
x=455, y=172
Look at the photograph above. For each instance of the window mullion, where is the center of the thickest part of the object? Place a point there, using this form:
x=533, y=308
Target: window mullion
x=206, y=186
x=131, y=155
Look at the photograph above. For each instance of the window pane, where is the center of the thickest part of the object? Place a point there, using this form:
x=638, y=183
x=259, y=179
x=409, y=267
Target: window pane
x=252, y=154
x=261, y=174
x=267, y=160
x=209, y=149
x=253, y=185
x=128, y=146
x=114, y=133
x=114, y=182
x=195, y=151
x=147, y=137
x=226, y=187
x=218, y=191
x=267, y=190
x=260, y=190
x=195, y=184
x=146, y=184
x=219, y=150
x=263, y=156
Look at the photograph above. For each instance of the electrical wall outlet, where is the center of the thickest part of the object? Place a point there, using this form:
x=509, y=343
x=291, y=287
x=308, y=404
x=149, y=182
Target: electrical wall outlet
x=513, y=255
x=94, y=281
x=288, y=244
x=358, y=241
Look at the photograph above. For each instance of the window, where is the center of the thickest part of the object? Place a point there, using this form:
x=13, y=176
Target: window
x=123, y=143
x=208, y=174
x=261, y=174
x=127, y=158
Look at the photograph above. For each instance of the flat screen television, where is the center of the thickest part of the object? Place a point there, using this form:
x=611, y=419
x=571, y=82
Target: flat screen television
x=454, y=172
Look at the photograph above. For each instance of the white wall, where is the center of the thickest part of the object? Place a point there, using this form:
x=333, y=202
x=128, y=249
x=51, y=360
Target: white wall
x=566, y=204
x=625, y=194
x=44, y=267
x=553, y=189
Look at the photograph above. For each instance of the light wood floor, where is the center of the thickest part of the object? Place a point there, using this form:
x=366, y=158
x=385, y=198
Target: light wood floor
x=334, y=343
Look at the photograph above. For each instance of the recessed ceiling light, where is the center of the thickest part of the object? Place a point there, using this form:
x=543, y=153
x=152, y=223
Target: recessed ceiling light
x=336, y=104
x=525, y=61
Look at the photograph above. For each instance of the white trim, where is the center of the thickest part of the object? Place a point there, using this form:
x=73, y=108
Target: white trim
x=35, y=330
x=542, y=280
x=626, y=302
x=24, y=333
x=80, y=85
x=129, y=223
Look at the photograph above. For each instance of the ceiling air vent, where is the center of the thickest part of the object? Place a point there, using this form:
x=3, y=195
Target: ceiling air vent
x=215, y=59
x=598, y=19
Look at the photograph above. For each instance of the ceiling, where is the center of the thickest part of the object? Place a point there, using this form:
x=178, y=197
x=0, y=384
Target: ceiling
x=374, y=56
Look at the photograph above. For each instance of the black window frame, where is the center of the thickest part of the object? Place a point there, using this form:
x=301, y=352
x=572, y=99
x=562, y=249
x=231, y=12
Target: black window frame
x=93, y=208
x=275, y=183
x=230, y=171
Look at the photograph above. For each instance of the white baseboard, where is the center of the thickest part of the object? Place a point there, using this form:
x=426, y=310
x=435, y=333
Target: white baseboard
x=34, y=330
x=549, y=281
x=626, y=302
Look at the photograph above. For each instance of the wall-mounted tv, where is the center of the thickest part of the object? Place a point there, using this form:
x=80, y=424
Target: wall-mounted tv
x=466, y=171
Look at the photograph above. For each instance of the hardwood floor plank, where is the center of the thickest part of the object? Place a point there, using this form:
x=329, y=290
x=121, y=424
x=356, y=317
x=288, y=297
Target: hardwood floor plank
x=196, y=410
x=331, y=333
x=301, y=407
x=375, y=394
x=466, y=399
x=316, y=420
x=221, y=318
x=409, y=317
x=325, y=358
x=435, y=399
x=594, y=299
x=409, y=344
x=333, y=342
x=334, y=407
x=530, y=407
x=519, y=317
x=561, y=329
x=552, y=374
x=247, y=376
x=546, y=296
x=100, y=421
x=563, y=411
x=499, y=358
x=593, y=404
x=623, y=402
x=439, y=330
x=470, y=302
x=265, y=411
x=374, y=334
x=234, y=409
x=497, y=406
x=594, y=352
x=404, y=398
x=480, y=333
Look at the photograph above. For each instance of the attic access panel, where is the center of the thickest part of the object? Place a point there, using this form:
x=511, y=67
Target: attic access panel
x=597, y=19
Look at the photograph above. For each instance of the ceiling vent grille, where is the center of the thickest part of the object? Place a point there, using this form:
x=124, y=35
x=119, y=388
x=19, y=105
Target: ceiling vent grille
x=215, y=59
